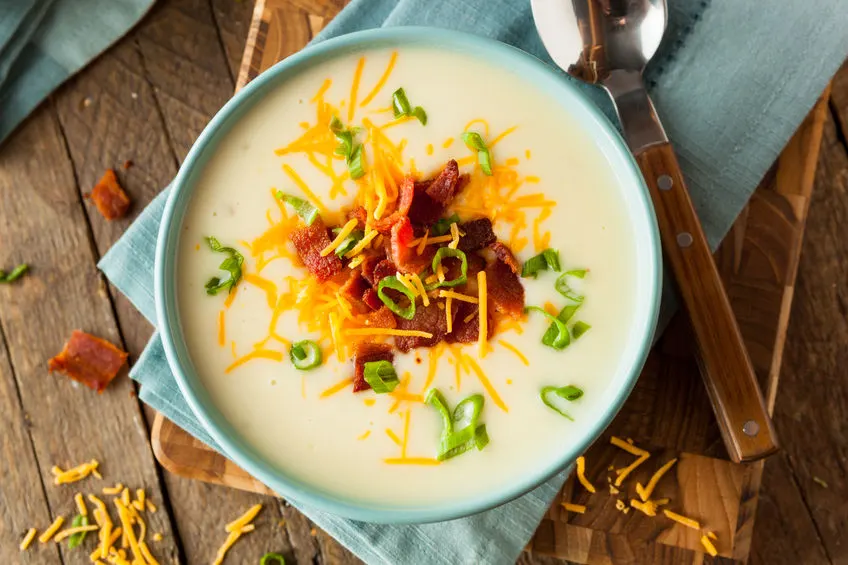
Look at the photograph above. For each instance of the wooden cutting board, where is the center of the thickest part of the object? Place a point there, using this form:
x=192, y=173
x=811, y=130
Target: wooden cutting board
x=668, y=412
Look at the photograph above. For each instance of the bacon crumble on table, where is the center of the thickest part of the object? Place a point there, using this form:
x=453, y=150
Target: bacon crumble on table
x=89, y=360
x=109, y=198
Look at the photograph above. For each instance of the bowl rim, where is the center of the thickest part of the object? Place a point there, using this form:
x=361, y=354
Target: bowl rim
x=604, y=135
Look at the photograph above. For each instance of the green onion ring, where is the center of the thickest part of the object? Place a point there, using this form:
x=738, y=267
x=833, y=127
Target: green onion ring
x=393, y=283
x=437, y=260
x=305, y=355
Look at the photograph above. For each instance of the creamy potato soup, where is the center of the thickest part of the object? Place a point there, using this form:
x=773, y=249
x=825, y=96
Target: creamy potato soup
x=357, y=260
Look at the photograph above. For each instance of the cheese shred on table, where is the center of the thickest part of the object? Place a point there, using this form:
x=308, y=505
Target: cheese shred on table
x=708, y=545
x=645, y=492
x=581, y=475
x=49, y=532
x=30, y=535
x=578, y=508
x=236, y=528
x=688, y=522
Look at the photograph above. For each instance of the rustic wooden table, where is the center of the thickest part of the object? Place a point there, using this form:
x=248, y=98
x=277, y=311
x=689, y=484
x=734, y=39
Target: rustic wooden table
x=146, y=100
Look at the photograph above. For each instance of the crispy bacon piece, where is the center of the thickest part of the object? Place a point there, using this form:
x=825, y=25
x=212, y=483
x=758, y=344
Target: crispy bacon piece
x=506, y=294
x=406, y=258
x=444, y=187
x=424, y=210
x=89, y=360
x=384, y=268
x=371, y=299
x=366, y=352
x=368, y=265
x=467, y=332
x=478, y=234
x=309, y=241
x=427, y=319
x=382, y=318
x=354, y=289
x=111, y=200
x=503, y=253
x=431, y=197
x=360, y=214
x=406, y=194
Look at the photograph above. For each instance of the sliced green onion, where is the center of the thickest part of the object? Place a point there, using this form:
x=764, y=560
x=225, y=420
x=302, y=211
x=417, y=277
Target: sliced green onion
x=474, y=141
x=418, y=112
x=484, y=159
x=401, y=107
x=564, y=316
x=552, y=258
x=442, y=226
x=400, y=103
x=302, y=208
x=14, y=274
x=77, y=538
x=441, y=254
x=345, y=147
x=305, y=355
x=549, y=394
x=381, y=375
x=354, y=164
x=460, y=432
x=564, y=289
x=547, y=259
x=393, y=283
x=579, y=328
x=336, y=124
x=231, y=264
x=272, y=559
x=561, y=337
x=349, y=242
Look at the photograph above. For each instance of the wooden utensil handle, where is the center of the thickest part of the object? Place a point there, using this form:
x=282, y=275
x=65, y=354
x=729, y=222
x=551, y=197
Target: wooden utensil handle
x=725, y=366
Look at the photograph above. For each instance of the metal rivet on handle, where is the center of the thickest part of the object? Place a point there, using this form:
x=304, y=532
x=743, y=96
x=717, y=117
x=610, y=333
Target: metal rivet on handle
x=684, y=239
x=665, y=182
x=751, y=428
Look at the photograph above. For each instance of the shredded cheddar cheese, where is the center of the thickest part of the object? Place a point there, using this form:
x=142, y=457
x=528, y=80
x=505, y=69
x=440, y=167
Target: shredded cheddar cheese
x=80, y=502
x=25, y=543
x=577, y=508
x=426, y=240
x=648, y=508
x=76, y=474
x=337, y=387
x=387, y=331
x=422, y=292
x=485, y=382
x=380, y=83
x=345, y=231
x=645, y=492
x=482, y=298
x=412, y=461
x=363, y=243
x=448, y=316
x=708, y=545
x=71, y=531
x=688, y=522
x=454, y=236
x=49, y=532
x=641, y=454
x=244, y=519
x=508, y=345
x=458, y=296
x=113, y=490
x=581, y=475
x=393, y=436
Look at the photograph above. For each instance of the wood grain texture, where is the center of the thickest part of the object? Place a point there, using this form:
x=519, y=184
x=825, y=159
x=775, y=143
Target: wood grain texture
x=725, y=366
x=668, y=408
x=69, y=423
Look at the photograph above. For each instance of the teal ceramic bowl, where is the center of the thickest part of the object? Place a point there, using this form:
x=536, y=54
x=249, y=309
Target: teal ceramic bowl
x=632, y=191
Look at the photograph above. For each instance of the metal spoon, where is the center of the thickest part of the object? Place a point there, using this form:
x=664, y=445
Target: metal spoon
x=609, y=42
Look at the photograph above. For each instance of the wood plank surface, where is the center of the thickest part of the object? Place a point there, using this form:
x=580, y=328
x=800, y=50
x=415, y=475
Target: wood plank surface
x=768, y=234
x=68, y=423
x=146, y=100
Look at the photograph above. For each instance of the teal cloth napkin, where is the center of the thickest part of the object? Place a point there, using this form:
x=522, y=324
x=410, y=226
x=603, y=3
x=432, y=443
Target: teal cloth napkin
x=732, y=82
x=43, y=42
